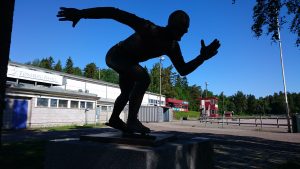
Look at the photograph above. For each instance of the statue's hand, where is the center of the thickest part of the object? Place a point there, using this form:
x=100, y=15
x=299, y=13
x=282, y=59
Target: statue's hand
x=209, y=51
x=69, y=14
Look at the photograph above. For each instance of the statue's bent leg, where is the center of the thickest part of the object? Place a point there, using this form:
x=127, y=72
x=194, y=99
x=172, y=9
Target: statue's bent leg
x=142, y=81
x=119, y=63
x=126, y=86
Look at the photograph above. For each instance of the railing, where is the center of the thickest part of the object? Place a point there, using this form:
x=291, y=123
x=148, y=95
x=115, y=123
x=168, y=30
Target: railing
x=257, y=121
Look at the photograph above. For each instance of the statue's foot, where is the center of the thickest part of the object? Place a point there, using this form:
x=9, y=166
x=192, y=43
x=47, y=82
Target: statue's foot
x=137, y=127
x=117, y=124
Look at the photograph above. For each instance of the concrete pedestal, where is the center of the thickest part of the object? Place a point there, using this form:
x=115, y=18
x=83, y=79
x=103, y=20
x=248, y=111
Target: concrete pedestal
x=153, y=139
x=179, y=154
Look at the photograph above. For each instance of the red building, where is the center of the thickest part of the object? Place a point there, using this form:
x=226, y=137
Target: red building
x=209, y=106
x=177, y=105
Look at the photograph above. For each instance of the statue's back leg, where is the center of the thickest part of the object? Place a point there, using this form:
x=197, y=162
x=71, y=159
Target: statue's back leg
x=126, y=85
x=141, y=83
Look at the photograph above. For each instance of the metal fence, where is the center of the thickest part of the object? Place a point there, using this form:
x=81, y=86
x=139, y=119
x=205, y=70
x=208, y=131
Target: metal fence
x=253, y=121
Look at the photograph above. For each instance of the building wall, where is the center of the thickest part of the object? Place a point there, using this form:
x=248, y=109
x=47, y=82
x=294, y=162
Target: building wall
x=100, y=90
x=112, y=92
x=44, y=116
x=149, y=98
x=38, y=116
x=75, y=85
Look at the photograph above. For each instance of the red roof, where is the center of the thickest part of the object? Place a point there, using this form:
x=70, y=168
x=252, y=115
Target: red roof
x=171, y=100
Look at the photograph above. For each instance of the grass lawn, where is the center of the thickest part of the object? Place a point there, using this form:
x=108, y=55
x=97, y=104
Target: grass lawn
x=30, y=154
x=189, y=115
x=68, y=128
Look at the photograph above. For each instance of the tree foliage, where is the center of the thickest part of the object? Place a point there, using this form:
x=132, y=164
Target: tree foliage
x=90, y=71
x=175, y=86
x=109, y=75
x=269, y=105
x=77, y=71
x=69, y=66
x=58, y=66
x=268, y=15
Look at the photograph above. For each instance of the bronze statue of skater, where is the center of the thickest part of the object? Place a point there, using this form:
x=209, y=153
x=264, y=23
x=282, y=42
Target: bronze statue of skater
x=147, y=42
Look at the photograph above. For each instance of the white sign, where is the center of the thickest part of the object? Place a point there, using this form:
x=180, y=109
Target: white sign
x=32, y=75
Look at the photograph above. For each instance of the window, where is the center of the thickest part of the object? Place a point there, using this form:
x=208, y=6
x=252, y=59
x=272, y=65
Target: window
x=82, y=105
x=74, y=104
x=42, y=102
x=110, y=108
x=53, y=102
x=63, y=103
x=104, y=108
x=89, y=105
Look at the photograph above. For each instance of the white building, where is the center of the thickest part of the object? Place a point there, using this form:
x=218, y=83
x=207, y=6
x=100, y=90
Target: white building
x=42, y=97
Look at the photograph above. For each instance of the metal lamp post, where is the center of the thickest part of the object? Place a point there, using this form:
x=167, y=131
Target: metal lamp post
x=160, y=67
x=206, y=89
x=283, y=78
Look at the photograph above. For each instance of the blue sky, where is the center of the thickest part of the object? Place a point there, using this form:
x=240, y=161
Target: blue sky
x=244, y=63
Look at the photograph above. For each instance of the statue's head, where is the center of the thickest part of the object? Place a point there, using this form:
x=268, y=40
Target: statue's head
x=178, y=24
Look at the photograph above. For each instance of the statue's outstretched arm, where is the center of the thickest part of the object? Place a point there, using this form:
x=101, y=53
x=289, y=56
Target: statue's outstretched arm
x=74, y=15
x=186, y=68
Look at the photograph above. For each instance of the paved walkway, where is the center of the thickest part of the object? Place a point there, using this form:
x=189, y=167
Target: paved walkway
x=270, y=133
x=234, y=146
x=242, y=146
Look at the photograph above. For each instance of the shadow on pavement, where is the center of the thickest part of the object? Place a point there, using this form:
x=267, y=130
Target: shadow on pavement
x=250, y=152
x=230, y=151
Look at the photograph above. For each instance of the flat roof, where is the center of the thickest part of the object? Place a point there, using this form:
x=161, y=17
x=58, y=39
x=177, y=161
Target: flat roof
x=70, y=76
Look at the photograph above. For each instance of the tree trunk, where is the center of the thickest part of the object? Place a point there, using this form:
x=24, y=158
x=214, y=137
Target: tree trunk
x=6, y=15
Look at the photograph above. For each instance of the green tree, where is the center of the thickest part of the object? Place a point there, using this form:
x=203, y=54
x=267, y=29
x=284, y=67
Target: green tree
x=278, y=104
x=230, y=105
x=109, y=75
x=154, y=76
x=58, y=66
x=251, y=104
x=167, y=88
x=222, y=102
x=194, y=95
x=90, y=71
x=47, y=63
x=266, y=14
x=77, y=71
x=296, y=98
x=69, y=66
x=240, y=102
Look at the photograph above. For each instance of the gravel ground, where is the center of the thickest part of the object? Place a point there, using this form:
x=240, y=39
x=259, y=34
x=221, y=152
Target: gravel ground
x=234, y=146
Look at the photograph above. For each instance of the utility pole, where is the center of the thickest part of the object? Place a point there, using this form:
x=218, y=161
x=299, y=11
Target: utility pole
x=283, y=78
x=206, y=89
x=99, y=71
x=160, y=67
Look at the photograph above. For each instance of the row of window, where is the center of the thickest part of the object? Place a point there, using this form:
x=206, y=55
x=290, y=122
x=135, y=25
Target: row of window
x=63, y=103
x=106, y=108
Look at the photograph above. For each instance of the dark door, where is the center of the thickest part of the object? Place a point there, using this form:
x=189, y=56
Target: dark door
x=166, y=115
x=20, y=109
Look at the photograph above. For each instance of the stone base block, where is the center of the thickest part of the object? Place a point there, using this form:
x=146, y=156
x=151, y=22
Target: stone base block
x=180, y=154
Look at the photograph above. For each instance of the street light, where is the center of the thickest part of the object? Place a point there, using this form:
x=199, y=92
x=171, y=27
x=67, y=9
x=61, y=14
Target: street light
x=160, y=67
x=99, y=73
x=206, y=89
